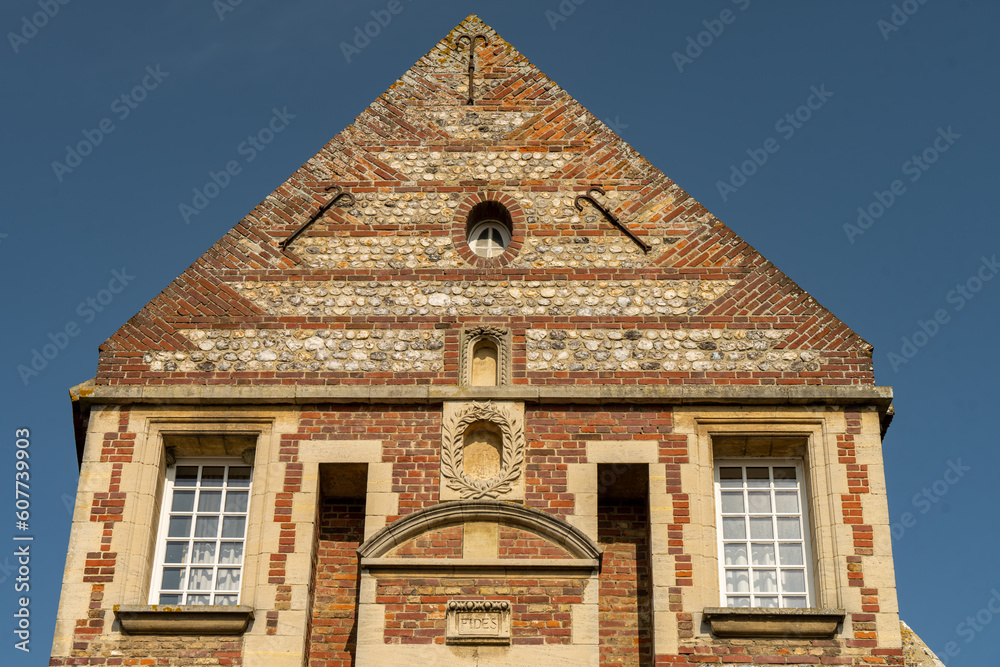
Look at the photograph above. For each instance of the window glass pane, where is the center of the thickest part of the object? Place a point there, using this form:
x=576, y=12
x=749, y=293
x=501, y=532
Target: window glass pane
x=734, y=529
x=229, y=579
x=176, y=552
x=199, y=599
x=796, y=602
x=790, y=554
x=210, y=501
x=239, y=476
x=784, y=478
x=204, y=553
x=183, y=501
x=225, y=599
x=761, y=529
x=731, y=474
x=236, y=501
x=180, y=526
x=207, y=526
x=738, y=602
x=732, y=503
x=201, y=579
x=760, y=502
x=786, y=502
x=737, y=581
x=758, y=477
x=231, y=553
x=762, y=554
x=170, y=598
x=788, y=529
x=765, y=581
x=212, y=475
x=793, y=581
x=736, y=554
x=233, y=526
x=171, y=578
x=769, y=603
x=186, y=476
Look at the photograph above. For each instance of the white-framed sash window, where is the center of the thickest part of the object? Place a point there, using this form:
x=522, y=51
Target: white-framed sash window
x=765, y=558
x=202, y=533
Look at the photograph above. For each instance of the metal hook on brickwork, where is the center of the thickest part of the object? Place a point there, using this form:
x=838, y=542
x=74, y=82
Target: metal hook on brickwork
x=472, y=57
x=340, y=194
x=589, y=197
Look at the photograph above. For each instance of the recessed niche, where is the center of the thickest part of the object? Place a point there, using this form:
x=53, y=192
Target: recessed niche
x=482, y=451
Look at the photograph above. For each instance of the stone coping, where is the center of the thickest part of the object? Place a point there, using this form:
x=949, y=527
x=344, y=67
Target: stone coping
x=758, y=622
x=881, y=397
x=183, y=619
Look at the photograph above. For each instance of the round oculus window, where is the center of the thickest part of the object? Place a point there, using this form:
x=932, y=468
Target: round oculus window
x=489, y=238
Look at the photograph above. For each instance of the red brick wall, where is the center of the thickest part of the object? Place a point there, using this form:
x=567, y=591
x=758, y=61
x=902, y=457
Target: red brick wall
x=444, y=543
x=333, y=639
x=625, y=595
x=514, y=543
x=540, y=607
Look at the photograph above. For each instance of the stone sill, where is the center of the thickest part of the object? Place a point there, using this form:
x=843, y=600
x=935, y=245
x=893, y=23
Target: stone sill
x=773, y=623
x=138, y=619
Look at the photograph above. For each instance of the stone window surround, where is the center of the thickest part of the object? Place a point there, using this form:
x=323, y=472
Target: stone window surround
x=134, y=537
x=824, y=478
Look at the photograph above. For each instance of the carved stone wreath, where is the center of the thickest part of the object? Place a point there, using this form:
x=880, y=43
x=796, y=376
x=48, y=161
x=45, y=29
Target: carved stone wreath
x=512, y=454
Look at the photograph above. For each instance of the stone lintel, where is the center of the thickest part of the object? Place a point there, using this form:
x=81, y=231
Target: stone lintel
x=563, y=567
x=773, y=623
x=880, y=397
x=183, y=619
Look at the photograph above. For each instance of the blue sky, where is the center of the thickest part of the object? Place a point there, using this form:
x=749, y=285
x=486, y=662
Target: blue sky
x=902, y=126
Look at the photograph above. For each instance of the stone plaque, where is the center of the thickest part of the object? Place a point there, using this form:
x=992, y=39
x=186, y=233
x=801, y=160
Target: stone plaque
x=478, y=622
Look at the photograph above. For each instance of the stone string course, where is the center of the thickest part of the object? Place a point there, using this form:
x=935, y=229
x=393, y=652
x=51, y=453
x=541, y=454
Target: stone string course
x=563, y=237
x=666, y=349
x=574, y=298
x=305, y=350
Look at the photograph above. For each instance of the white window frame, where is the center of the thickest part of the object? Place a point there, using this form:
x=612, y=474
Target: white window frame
x=490, y=250
x=806, y=534
x=159, y=564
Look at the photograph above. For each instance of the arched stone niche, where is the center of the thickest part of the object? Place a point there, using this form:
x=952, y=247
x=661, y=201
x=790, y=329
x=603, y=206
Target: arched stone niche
x=485, y=357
